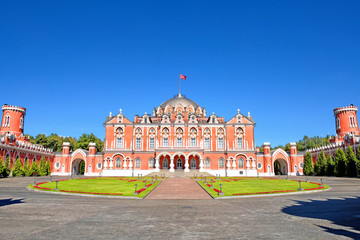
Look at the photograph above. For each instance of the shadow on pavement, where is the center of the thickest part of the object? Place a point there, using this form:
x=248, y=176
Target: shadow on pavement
x=344, y=212
x=10, y=201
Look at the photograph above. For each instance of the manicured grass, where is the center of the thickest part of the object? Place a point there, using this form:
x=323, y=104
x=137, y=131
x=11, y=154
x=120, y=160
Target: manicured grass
x=121, y=186
x=232, y=186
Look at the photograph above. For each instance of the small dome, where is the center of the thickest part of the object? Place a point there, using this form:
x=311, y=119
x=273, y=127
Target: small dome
x=179, y=99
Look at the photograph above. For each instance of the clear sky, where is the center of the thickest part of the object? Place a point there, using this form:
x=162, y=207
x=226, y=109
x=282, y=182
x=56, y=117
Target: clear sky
x=288, y=63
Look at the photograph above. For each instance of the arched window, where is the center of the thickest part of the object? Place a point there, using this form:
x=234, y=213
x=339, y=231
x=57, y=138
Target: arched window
x=137, y=162
x=165, y=135
x=221, y=163
x=337, y=123
x=118, y=162
x=138, y=139
x=207, y=162
x=151, y=163
x=193, y=163
x=221, y=143
x=179, y=135
x=241, y=162
x=21, y=122
x=119, y=137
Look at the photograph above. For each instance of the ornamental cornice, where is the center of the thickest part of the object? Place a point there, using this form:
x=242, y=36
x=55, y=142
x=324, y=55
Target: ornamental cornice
x=22, y=150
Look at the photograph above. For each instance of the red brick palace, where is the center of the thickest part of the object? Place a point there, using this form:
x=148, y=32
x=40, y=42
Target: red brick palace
x=178, y=136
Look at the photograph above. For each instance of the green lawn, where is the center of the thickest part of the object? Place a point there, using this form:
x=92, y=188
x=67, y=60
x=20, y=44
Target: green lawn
x=112, y=185
x=232, y=186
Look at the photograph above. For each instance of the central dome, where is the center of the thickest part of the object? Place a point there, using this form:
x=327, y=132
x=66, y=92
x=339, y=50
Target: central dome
x=179, y=99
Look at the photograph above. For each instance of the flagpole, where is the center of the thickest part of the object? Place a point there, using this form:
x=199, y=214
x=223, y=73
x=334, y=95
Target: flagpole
x=179, y=84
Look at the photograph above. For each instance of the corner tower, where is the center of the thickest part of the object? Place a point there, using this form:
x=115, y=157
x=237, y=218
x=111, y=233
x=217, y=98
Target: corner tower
x=12, y=120
x=346, y=120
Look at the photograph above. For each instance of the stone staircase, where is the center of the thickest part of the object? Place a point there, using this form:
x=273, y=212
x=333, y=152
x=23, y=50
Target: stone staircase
x=179, y=173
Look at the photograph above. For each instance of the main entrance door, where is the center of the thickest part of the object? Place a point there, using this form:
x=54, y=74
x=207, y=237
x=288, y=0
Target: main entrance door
x=179, y=164
x=193, y=163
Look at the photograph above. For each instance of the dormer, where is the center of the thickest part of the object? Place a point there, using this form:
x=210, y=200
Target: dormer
x=165, y=119
x=213, y=118
x=179, y=118
x=146, y=118
x=193, y=119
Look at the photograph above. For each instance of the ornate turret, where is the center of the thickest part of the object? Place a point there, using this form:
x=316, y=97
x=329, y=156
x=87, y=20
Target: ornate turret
x=12, y=120
x=346, y=121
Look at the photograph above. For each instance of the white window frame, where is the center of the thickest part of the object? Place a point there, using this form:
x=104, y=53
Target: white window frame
x=221, y=143
x=165, y=142
x=207, y=143
x=138, y=143
x=193, y=142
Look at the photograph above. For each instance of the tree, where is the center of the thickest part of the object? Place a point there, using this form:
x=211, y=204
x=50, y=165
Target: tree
x=351, y=163
x=27, y=171
x=329, y=166
x=85, y=139
x=320, y=164
x=308, y=165
x=340, y=163
x=47, y=167
x=277, y=168
x=82, y=168
x=34, y=168
x=42, y=140
x=55, y=142
x=42, y=167
x=358, y=162
x=6, y=171
x=1, y=168
x=17, y=171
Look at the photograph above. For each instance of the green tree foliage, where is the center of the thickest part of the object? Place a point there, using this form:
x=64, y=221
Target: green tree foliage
x=312, y=142
x=329, y=166
x=34, y=168
x=277, y=168
x=82, y=168
x=358, y=158
x=85, y=139
x=340, y=163
x=308, y=165
x=42, y=167
x=47, y=167
x=1, y=168
x=6, y=171
x=351, y=163
x=18, y=170
x=320, y=164
x=27, y=171
x=42, y=140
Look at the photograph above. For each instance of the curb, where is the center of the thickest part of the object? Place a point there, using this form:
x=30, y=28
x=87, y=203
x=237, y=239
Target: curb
x=204, y=189
x=273, y=195
x=152, y=190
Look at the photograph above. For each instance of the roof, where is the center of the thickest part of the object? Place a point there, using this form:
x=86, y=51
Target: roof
x=179, y=99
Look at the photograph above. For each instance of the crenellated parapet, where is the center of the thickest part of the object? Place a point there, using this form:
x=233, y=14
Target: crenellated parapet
x=345, y=109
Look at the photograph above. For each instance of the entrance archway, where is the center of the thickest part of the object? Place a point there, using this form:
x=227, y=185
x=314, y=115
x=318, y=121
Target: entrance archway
x=280, y=166
x=165, y=163
x=193, y=163
x=78, y=167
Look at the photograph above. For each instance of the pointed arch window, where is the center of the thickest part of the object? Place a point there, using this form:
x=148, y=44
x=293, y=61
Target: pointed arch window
x=221, y=163
x=241, y=162
x=118, y=162
x=137, y=163
x=22, y=123
x=151, y=163
x=207, y=162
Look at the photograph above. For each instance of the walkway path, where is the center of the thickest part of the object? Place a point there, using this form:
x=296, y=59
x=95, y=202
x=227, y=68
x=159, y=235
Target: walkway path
x=178, y=188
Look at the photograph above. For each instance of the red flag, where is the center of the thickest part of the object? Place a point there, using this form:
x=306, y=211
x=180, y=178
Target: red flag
x=182, y=77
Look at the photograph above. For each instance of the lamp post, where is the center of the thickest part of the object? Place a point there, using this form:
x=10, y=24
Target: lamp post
x=136, y=193
x=145, y=185
x=34, y=182
x=300, y=188
x=56, y=188
x=221, y=192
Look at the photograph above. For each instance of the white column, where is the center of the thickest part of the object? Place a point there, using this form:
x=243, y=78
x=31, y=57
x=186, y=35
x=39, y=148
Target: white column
x=228, y=164
x=201, y=166
x=187, y=165
x=247, y=163
x=234, y=164
x=125, y=164
x=130, y=164
x=111, y=164
x=105, y=164
x=157, y=165
x=172, y=165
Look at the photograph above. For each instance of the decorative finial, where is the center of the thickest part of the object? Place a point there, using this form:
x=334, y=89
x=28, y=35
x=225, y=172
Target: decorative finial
x=145, y=113
x=238, y=110
x=213, y=113
x=249, y=114
x=110, y=114
x=120, y=110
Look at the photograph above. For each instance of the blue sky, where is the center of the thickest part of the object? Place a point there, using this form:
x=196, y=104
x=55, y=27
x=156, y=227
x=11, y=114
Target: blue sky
x=288, y=63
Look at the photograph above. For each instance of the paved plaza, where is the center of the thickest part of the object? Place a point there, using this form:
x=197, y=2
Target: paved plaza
x=333, y=214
